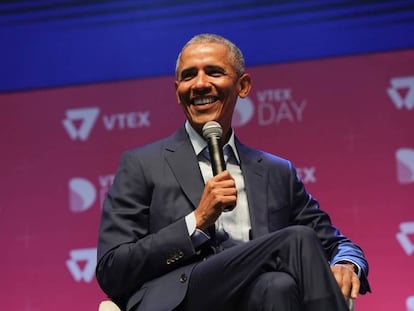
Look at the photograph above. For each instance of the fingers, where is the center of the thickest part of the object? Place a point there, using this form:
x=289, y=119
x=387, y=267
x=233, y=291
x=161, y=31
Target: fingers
x=355, y=286
x=347, y=280
x=219, y=194
x=221, y=189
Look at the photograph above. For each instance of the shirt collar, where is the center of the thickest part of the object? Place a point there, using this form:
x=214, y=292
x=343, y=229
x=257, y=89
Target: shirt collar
x=199, y=143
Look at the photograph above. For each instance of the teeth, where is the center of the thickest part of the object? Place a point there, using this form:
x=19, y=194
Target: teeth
x=204, y=100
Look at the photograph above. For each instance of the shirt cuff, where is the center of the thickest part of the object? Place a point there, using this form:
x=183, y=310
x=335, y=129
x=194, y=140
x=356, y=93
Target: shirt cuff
x=190, y=220
x=198, y=237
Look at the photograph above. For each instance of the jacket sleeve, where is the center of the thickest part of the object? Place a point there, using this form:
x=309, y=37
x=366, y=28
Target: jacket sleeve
x=338, y=247
x=131, y=250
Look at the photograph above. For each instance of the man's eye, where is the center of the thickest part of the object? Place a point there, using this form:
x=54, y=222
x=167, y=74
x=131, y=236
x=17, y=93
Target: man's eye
x=216, y=74
x=187, y=76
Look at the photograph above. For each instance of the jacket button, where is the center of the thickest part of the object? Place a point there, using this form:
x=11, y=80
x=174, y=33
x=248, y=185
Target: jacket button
x=183, y=278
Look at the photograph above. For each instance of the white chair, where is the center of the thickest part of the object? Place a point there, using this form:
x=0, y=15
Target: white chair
x=108, y=305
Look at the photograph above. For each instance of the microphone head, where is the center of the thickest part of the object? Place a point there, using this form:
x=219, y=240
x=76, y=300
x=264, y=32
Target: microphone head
x=212, y=129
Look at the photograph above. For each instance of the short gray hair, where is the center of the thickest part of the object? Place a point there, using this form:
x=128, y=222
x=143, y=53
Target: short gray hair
x=236, y=55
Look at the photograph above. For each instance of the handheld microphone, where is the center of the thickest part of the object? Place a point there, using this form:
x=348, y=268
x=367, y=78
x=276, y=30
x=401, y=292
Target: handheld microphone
x=212, y=132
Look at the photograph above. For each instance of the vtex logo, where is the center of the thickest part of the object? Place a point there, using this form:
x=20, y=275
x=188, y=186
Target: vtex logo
x=405, y=165
x=410, y=303
x=82, y=263
x=79, y=122
x=401, y=92
x=243, y=112
x=406, y=229
x=82, y=194
x=273, y=106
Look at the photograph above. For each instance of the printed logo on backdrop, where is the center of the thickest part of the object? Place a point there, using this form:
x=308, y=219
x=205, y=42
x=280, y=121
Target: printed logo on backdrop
x=83, y=193
x=79, y=123
x=406, y=237
x=405, y=165
x=401, y=92
x=272, y=106
x=410, y=303
x=81, y=264
x=277, y=105
x=307, y=174
x=243, y=112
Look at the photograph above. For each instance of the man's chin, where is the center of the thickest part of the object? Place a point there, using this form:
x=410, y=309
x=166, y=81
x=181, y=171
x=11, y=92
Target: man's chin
x=201, y=119
x=199, y=123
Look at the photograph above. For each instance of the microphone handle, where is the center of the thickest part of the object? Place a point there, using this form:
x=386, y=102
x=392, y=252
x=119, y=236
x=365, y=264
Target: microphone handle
x=218, y=164
x=216, y=155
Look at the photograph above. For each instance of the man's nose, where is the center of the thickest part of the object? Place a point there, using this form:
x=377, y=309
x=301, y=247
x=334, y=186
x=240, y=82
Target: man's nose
x=201, y=82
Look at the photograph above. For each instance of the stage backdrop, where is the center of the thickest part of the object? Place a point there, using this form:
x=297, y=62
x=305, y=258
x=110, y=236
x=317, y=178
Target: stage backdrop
x=346, y=123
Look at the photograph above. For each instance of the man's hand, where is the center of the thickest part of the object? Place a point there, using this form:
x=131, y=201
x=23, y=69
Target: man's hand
x=347, y=279
x=219, y=193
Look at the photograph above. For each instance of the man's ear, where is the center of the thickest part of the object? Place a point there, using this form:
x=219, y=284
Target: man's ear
x=176, y=93
x=245, y=84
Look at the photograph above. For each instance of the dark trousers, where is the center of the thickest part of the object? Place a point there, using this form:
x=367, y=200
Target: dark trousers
x=285, y=270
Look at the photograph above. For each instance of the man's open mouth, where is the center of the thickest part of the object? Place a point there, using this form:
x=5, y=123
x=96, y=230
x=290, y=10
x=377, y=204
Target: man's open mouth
x=204, y=100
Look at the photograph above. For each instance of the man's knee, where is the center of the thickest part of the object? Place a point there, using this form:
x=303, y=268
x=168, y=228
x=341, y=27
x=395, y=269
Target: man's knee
x=301, y=233
x=273, y=289
x=279, y=282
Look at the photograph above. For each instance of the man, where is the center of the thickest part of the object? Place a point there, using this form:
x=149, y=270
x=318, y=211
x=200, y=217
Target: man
x=167, y=241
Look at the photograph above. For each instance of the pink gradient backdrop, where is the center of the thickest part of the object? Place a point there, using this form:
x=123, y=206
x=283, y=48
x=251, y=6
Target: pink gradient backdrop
x=333, y=118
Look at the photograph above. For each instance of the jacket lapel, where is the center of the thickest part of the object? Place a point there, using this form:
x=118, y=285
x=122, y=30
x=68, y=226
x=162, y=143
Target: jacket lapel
x=183, y=162
x=256, y=180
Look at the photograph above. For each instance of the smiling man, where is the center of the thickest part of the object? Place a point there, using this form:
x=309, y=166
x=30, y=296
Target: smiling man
x=166, y=241
x=208, y=84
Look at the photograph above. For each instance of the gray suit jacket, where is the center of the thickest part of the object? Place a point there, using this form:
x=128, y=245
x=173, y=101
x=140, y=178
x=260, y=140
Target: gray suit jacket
x=144, y=247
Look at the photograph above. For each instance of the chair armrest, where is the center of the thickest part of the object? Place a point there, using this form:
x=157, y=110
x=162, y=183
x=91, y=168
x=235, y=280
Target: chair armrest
x=351, y=304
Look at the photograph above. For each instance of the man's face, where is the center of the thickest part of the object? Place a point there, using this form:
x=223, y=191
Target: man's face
x=207, y=85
